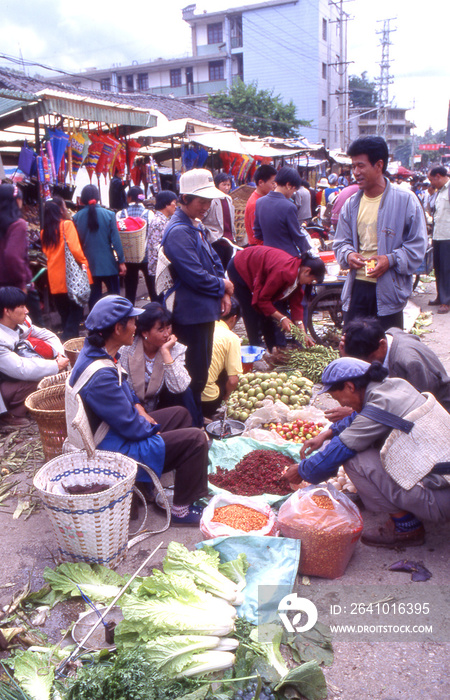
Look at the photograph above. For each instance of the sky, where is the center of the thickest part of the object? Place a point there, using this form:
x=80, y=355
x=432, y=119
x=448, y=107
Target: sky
x=77, y=35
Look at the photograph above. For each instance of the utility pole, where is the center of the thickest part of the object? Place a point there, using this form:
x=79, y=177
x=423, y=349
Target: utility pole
x=341, y=68
x=385, y=78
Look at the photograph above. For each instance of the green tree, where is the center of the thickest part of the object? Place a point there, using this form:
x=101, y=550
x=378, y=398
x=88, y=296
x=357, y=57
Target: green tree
x=256, y=112
x=362, y=91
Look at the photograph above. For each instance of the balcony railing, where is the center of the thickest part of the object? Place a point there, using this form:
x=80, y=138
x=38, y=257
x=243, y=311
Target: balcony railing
x=204, y=88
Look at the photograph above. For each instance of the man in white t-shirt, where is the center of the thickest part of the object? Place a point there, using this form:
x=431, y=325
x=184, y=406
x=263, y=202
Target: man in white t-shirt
x=381, y=237
x=440, y=180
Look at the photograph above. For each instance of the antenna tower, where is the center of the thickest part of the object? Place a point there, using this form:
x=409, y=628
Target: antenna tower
x=385, y=78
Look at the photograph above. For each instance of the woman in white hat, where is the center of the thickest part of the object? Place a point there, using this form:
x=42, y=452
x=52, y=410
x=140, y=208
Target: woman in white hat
x=202, y=294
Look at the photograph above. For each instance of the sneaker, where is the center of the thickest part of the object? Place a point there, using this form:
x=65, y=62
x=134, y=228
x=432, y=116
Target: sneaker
x=192, y=518
x=169, y=491
x=443, y=309
x=11, y=421
x=387, y=536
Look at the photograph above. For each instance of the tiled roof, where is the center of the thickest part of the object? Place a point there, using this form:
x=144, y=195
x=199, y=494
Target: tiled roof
x=170, y=107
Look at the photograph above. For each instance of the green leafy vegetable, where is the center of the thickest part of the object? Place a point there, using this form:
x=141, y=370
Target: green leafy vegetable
x=34, y=673
x=269, y=637
x=172, y=615
x=165, y=651
x=206, y=662
x=313, y=645
x=202, y=566
x=236, y=570
x=97, y=582
x=308, y=679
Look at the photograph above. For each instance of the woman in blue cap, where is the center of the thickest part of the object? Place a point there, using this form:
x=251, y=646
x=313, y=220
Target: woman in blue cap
x=119, y=423
x=356, y=442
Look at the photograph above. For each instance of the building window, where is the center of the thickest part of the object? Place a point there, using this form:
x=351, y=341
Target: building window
x=324, y=29
x=236, y=32
x=215, y=34
x=129, y=83
x=216, y=70
x=324, y=108
x=324, y=71
x=175, y=77
x=142, y=81
x=105, y=84
x=119, y=83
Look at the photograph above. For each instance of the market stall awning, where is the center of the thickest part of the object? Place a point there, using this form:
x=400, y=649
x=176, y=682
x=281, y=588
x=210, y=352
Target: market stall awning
x=176, y=127
x=226, y=140
x=17, y=107
x=340, y=158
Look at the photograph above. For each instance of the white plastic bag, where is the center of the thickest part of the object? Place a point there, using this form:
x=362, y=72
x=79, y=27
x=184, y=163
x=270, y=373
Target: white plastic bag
x=278, y=412
x=211, y=529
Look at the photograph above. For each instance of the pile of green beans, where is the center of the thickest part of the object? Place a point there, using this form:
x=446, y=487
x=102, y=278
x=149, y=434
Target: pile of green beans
x=311, y=361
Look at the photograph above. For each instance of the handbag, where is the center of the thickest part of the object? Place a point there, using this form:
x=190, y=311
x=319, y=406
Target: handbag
x=413, y=448
x=77, y=280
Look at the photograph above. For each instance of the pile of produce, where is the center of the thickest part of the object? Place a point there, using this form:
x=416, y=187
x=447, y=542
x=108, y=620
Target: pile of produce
x=310, y=362
x=294, y=390
x=341, y=482
x=297, y=431
x=175, y=626
x=240, y=517
x=260, y=471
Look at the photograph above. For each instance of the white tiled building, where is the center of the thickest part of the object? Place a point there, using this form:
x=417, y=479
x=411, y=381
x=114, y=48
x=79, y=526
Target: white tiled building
x=295, y=47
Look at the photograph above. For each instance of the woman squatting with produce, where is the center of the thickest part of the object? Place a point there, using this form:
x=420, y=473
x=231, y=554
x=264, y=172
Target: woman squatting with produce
x=119, y=423
x=266, y=277
x=356, y=442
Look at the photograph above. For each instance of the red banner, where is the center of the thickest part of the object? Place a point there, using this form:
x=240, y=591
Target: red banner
x=432, y=146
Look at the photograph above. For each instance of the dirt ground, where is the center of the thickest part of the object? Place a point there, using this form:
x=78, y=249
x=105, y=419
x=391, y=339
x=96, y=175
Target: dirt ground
x=374, y=669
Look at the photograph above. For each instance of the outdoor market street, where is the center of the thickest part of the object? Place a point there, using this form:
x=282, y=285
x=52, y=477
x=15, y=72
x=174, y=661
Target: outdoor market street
x=370, y=670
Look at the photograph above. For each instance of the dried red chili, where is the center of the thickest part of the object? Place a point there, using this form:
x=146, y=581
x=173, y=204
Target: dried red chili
x=260, y=471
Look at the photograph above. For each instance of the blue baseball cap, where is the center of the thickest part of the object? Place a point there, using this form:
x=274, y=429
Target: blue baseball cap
x=110, y=310
x=342, y=370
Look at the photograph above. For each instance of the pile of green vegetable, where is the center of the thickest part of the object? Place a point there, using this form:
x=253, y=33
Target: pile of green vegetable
x=179, y=630
x=310, y=362
x=294, y=390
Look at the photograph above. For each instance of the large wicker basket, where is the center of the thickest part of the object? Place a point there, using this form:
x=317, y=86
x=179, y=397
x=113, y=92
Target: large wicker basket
x=73, y=348
x=48, y=409
x=240, y=197
x=133, y=243
x=92, y=527
x=54, y=380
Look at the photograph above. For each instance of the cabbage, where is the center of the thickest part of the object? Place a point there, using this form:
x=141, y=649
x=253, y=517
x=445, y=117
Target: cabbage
x=35, y=674
x=97, y=582
x=202, y=567
x=173, y=615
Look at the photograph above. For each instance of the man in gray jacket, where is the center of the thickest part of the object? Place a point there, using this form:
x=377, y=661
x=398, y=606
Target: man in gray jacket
x=403, y=355
x=381, y=237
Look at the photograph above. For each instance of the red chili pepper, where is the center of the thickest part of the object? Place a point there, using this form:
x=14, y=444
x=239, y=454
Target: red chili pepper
x=260, y=471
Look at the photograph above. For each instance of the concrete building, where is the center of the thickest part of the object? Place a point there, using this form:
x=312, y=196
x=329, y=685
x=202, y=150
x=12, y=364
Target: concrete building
x=364, y=123
x=295, y=47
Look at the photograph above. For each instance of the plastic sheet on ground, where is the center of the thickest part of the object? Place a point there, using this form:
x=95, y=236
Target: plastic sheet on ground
x=227, y=453
x=273, y=561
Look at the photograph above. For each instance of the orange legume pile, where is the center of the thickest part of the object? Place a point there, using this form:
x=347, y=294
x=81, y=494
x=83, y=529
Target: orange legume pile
x=323, y=502
x=240, y=517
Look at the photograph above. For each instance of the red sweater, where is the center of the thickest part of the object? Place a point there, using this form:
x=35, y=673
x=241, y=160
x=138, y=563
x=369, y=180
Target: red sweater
x=249, y=218
x=268, y=273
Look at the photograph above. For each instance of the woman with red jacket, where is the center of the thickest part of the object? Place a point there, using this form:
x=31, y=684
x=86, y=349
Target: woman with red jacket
x=265, y=279
x=57, y=229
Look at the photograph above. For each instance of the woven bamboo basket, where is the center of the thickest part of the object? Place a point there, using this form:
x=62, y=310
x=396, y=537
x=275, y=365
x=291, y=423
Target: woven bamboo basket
x=73, y=348
x=240, y=198
x=90, y=528
x=54, y=380
x=48, y=409
x=133, y=243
